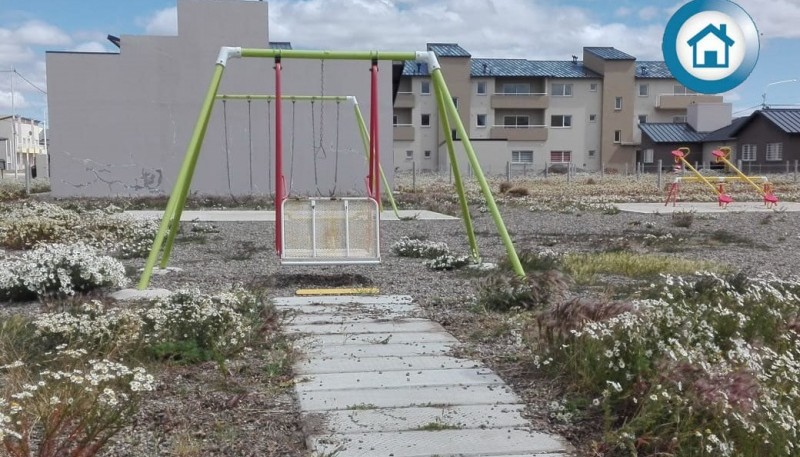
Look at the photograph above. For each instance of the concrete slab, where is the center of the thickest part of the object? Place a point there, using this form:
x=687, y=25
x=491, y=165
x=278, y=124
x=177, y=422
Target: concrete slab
x=320, y=365
x=136, y=294
x=405, y=325
x=375, y=339
x=403, y=378
x=443, y=442
x=229, y=215
x=706, y=207
x=416, y=418
x=342, y=317
x=380, y=350
x=327, y=400
x=344, y=300
x=349, y=310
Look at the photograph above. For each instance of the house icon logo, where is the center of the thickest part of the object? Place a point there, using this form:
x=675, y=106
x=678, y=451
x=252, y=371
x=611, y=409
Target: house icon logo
x=711, y=46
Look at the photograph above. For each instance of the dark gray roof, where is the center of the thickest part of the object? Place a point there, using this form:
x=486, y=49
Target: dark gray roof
x=654, y=69
x=411, y=68
x=530, y=68
x=787, y=120
x=679, y=132
x=726, y=133
x=280, y=45
x=608, y=53
x=448, y=50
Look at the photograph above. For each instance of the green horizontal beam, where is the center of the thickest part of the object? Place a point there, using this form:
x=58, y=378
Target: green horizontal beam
x=328, y=55
x=298, y=98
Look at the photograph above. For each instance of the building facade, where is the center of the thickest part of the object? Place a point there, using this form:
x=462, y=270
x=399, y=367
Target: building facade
x=29, y=148
x=530, y=114
x=121, y=122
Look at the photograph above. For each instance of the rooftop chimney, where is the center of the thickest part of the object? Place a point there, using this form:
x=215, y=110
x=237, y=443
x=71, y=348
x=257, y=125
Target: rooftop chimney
x=575, y=59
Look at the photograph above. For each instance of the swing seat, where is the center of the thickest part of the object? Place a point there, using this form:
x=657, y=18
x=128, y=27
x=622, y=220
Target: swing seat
x=330, y=231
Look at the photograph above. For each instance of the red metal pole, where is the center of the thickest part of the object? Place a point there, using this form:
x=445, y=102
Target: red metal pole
x=278, y=161
x=374, y=139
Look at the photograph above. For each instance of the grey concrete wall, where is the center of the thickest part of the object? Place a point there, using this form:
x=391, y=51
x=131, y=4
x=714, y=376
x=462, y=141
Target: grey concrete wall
x=121, y=123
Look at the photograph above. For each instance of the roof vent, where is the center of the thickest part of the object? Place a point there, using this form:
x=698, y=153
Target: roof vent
x=485, y=66
x=575, y=59
x=419, y=68
x=644, y=69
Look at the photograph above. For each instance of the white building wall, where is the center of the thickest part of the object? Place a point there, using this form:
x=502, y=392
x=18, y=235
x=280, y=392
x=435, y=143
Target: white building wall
x=27, y=137
x=582, y=136
x=481, y=104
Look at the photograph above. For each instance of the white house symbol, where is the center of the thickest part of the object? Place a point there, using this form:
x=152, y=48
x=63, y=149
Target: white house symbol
x=708, y=45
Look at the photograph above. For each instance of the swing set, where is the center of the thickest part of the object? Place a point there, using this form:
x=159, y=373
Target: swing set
x=326, y=230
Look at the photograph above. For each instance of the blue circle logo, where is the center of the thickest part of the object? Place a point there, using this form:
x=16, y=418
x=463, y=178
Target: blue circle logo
x=711, y=46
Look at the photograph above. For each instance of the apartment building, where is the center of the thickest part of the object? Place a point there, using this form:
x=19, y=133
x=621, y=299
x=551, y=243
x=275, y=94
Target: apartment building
x=532, y=113
x=28, y=136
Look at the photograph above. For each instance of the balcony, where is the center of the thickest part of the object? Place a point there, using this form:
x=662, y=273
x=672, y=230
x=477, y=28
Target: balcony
x=403, y=132
x=682, y=101
x=519, y=133
x=520, y=101
x=404, y=100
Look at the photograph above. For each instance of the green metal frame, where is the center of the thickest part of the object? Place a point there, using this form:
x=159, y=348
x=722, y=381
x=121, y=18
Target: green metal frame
x=172, y=214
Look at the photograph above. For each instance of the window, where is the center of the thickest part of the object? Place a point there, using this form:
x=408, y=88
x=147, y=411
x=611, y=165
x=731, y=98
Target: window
x=394, y=119
x=592, y=118
x=644, y=90
x=480, y=120
x=454, y=134
x=560, y=156
x=749, y=152
x=647, y=156
x=678, y=119
x=562, y=90
x=642, y=118
x=679, y=89
x=516, y=88
x=515, y=121
x=774, y=151
x=617, y=136
x=521, y=156
x=425, y=87
x=617, y=103
x=409, y=155
x=455, y=101
x=561, y=120
x=592, y=152
x=427, y=154
x=425, y=120
x=481, y=88
x=593, y=87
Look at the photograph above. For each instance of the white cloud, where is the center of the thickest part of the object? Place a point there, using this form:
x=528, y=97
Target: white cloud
x=91, y=46
x=162, y=22
x=42, y=34
x=774, y=18
x=5, y=101
x=649, y=13
x=623, y=12
x=486, y=28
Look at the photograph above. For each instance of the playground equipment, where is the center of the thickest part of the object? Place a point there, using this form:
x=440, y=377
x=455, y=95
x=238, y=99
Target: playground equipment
x=301, y=217
x=717, y=183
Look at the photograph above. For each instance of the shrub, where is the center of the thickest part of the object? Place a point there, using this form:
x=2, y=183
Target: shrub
x=413, y=247
x=447, y=262
x=542, y=260
x=58, y=270
x=70, y=406
x=505, y=187
x=519, y=191
x=503, y=292
x=706, y=366
x=683, y=218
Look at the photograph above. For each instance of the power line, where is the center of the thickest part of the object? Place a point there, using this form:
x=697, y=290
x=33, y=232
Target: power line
x=13, y=70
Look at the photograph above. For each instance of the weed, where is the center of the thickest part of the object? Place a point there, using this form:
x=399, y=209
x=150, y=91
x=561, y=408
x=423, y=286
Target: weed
x=504, y=291
x=436, y=426
x=585, y=266
x=362, y=406
x=683, y=219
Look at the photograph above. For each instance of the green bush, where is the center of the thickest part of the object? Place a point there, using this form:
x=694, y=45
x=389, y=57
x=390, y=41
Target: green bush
x=506, y=291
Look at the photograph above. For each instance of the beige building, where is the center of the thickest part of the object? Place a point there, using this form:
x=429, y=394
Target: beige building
x=527, y=114
x=28, y=134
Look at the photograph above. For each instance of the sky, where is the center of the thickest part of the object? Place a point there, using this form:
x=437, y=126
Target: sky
x=531, y=29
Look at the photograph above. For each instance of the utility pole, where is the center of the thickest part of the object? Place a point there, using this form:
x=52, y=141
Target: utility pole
x=13, y=127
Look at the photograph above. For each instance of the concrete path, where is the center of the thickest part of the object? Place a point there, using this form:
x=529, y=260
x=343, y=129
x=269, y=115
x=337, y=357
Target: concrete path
x=377, y=382
x=706, y=207
x=269, y=216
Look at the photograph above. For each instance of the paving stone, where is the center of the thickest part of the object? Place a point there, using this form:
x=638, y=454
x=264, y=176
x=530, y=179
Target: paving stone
x=319, y=365
x=344, y=299
x=374, y=326
x=349, y=351
x=403, y=378
x=443, y=442
x=342, y=318
x=349, y=310
x=488, y=394
x=415, y=418
x=310, y=342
